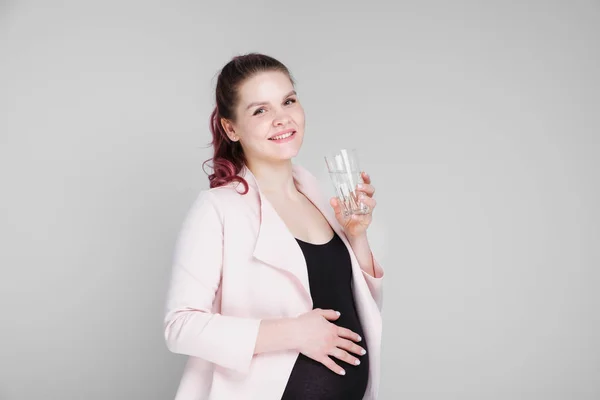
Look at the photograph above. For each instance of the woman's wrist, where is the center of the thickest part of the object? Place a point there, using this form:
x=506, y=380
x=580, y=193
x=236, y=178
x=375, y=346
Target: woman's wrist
x=362, y=251
x=355, y=240
x=276, y=335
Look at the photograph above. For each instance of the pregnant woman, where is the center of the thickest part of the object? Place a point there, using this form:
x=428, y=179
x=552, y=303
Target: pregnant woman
x=274, y=293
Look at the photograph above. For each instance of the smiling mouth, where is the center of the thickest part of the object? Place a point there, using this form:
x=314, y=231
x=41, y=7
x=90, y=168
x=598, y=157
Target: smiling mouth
x=284, y=136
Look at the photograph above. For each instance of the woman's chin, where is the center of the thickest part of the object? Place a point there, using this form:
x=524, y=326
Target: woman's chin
x=282, y=157
x=286, y=153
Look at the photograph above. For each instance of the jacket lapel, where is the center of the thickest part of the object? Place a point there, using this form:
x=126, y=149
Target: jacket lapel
x=308, y=185
x=275, y=245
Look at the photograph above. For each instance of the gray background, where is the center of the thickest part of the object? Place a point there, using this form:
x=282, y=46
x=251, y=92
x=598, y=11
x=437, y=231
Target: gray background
x=479, y=123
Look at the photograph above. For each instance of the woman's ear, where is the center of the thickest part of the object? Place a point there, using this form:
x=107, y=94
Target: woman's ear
x=229, y=130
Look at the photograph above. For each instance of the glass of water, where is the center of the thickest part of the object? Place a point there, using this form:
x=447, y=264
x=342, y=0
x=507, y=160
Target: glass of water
x=345, y=174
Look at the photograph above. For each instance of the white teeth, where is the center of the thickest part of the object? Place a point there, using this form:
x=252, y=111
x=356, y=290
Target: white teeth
x=286, y=135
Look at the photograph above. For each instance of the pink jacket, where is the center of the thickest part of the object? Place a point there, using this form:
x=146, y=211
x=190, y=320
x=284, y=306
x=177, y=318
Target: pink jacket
x=235, y=263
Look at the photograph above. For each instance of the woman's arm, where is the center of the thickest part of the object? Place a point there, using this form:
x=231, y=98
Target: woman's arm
x=362, y=250
x=190, y=326
x=372, y=271
x=355, y=228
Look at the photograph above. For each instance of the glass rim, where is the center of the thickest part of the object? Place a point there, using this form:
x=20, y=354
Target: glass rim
x=352, y=151
x=342, y=160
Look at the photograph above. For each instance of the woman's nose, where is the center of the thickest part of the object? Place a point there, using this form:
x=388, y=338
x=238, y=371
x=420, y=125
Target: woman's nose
x=282, y=118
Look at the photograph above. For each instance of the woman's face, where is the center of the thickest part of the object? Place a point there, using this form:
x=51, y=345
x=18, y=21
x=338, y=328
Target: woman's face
x=269, y=118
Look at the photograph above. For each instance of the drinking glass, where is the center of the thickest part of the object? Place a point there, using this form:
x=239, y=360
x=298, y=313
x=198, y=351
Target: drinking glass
x=345, y=174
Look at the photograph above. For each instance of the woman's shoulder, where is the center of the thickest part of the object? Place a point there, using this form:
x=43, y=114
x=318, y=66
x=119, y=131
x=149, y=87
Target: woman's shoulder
x=223, y=198
x=230, y=191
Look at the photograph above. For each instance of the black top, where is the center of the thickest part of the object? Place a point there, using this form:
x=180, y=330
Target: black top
x=330, y=278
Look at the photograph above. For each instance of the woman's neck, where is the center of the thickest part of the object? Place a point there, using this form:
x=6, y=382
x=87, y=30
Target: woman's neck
x=274, y=179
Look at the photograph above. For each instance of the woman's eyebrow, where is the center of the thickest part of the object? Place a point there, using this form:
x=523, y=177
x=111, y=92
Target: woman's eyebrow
x=260, y=103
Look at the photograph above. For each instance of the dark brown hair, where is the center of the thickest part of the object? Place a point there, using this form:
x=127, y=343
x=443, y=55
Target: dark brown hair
x=228, y=158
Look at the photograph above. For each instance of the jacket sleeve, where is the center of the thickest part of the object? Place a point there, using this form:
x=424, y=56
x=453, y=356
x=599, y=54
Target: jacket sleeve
x=190, y=327
x=375, y=283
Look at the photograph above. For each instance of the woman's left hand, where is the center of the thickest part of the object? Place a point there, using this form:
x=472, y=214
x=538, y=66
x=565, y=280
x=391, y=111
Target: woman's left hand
x=356, y=225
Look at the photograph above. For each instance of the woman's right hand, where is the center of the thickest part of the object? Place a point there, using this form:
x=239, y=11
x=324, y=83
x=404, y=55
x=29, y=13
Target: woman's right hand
x=317, y=338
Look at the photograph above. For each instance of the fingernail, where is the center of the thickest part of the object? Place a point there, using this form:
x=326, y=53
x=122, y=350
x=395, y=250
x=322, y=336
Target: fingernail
x=360, y=185
x=338, y=313
x=363, y=352
x=356, y=362
x=342, y=372
x=359, y=338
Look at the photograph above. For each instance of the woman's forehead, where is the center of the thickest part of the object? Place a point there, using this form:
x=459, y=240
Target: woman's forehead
x=265, y=85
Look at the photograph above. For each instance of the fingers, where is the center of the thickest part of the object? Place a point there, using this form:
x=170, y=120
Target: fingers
x=366, y=178
x=337, y=208
x=344, y=356
x=340, y=341
x=350, y=346
x=335, y=204
x=348, y=334
x=329, y=363
x=366, y=188
x=369, y=201
x=330, y=315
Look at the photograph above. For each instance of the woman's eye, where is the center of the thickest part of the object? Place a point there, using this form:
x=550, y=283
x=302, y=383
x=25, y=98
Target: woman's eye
x=290, y=101
x=258, y=111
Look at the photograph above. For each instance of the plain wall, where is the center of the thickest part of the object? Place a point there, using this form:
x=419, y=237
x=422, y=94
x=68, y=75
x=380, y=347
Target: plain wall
x=479, y=123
